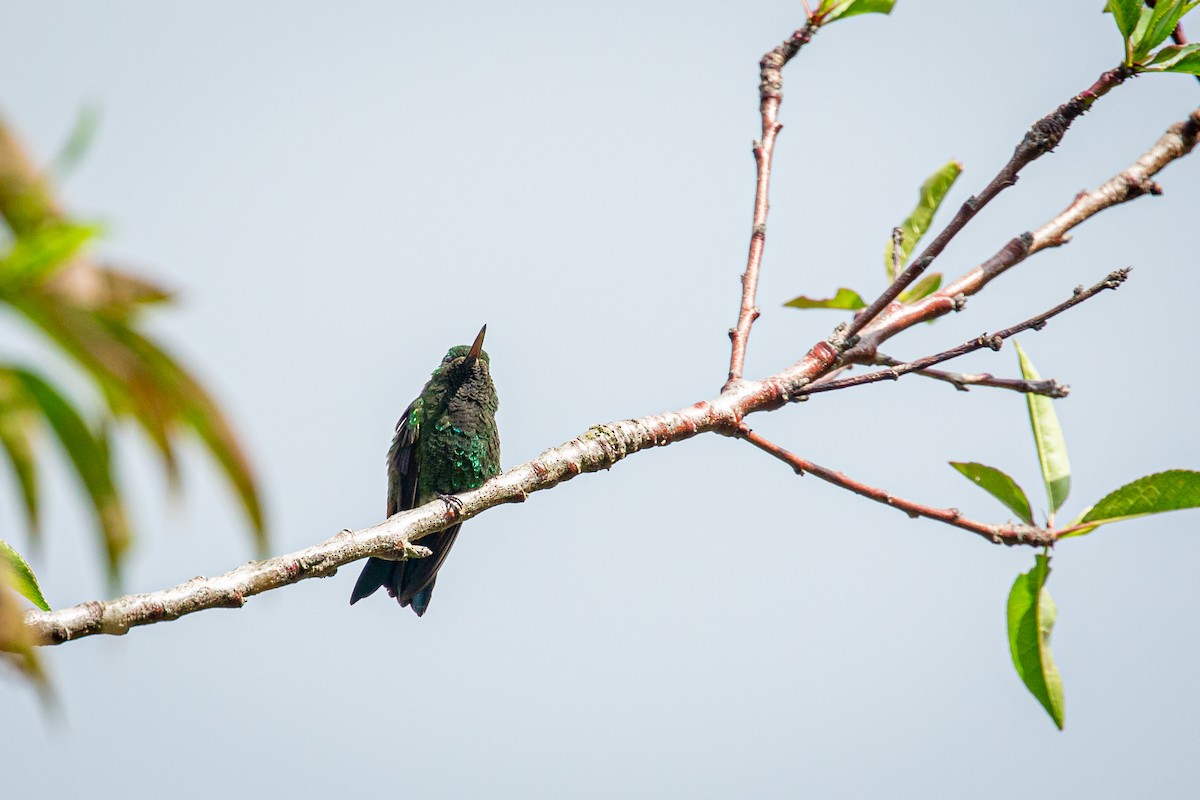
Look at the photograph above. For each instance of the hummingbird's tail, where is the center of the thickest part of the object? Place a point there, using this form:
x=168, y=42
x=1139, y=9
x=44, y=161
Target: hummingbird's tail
x=376, y=573
x=420, y=600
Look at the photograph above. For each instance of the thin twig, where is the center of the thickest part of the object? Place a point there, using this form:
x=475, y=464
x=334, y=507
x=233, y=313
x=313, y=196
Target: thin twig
x=964, y=380
x=1042, y=137
x=1009, y=533
x=993, y=341
x=770, y=93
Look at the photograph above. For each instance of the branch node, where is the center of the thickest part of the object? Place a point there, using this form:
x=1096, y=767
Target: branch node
x=992, y=342
x=1117, y=277
x=411, y=550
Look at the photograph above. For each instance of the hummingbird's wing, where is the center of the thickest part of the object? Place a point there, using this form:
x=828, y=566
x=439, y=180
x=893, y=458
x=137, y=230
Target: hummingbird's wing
x=412, y=581
x=402, y=461
x=402, y=495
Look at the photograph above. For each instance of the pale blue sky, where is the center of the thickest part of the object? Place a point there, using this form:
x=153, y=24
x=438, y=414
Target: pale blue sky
x=342, y=191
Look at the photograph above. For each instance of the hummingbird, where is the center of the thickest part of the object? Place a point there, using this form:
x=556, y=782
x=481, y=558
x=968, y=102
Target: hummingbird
x=446, y=442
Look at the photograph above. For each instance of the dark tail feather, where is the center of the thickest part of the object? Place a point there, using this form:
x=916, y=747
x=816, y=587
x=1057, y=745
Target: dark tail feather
x=420, y=600
x=376, y=573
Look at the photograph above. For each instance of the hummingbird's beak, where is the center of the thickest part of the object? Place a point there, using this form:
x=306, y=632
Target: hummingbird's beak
x=477, y=347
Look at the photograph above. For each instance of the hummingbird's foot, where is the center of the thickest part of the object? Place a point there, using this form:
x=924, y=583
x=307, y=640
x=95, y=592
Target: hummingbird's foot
x=453, y=504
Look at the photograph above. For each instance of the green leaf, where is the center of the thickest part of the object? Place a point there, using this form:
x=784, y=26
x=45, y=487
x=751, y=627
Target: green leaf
x=1188, y=64
x=1048, y=435
x=21, y=577
x=1031, y=614
x=17, y=421
x=846, y=299
x=1172, y=490
x=922, y=288
x=933, y=191
x=1125, y=14
x=1170, y=54
x=829, y=10
x=36, y=254
x=1139, y=32
x=89, y=457
x=83, y=133
x=1162, y=21
x=999, y=485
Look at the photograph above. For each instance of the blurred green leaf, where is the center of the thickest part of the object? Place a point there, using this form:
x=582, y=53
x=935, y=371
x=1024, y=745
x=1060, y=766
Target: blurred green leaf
x=829, y=10
x=83, y=133
x=87, y=455
x=197, y=410
x=922, y=288
x=17, y=645
x=999, y=485
x=139, y=379
x=846, y=299
x=1031, y=614
x=127, y=386
x=1048, y=435
x=930, y=197
x=21, y=576
x=121, y=294
x=41, y=251
x=1173, y=490
x=17, y=421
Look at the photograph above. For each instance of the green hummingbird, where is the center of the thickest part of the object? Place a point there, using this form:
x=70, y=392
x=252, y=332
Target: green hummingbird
x=446, y=442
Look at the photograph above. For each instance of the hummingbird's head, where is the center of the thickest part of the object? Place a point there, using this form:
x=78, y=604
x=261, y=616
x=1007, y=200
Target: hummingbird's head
x=463, y=362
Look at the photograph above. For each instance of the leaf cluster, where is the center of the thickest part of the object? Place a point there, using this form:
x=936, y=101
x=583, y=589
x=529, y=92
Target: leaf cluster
x=1145, y=28
x=94, y=314
x=1031, y=610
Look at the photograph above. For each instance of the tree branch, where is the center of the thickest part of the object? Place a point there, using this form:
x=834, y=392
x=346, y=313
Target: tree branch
x=770, y=93
x=1042, y=137
x=964, y=380
x=993, y=341
x=602, y=446
x=1009, y=533
x=599, y=448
